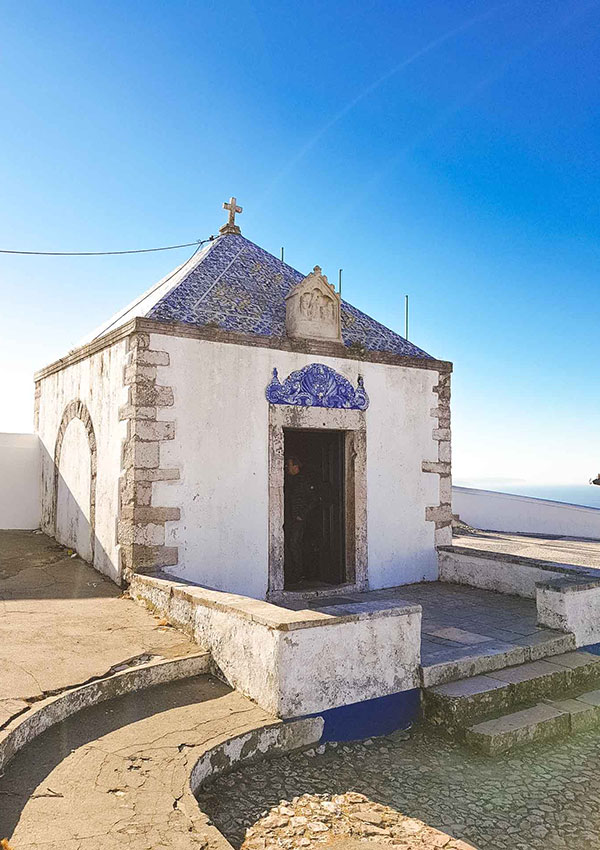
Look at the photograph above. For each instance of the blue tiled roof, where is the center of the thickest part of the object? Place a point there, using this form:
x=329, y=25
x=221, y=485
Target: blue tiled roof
x=240, y=287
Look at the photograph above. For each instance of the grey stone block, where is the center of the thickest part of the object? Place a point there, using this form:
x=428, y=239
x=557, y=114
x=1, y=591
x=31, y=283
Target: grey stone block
x=539, y=723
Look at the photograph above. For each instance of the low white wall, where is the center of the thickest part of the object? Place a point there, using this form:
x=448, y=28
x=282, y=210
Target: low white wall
x=294, y=663
x=507, y=575
x=19, y=481
x=508, y=512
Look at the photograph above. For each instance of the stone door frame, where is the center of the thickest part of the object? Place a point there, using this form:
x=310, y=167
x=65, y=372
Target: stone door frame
x=353, y=424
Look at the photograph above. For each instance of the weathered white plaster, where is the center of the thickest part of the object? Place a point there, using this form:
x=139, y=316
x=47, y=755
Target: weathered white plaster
x=221, y=450
x=570, y=608
x=508, y=512
x=503, y=576
x=97, y=381
x=19, y=481
x=262, y=743
x=294, y=663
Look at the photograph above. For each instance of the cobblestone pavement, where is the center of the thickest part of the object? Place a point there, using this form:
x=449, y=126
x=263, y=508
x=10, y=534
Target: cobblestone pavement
x=547, y=796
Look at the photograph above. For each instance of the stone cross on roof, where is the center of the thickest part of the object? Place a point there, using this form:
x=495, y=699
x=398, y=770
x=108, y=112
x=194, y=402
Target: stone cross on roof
x=230, y=226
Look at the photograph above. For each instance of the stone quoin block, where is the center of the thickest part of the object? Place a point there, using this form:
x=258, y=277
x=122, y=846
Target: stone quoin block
x=147, y=395
x=152, y=358
x=152, y=430
x=444, y=451
x=436, y=466
x=135, y=373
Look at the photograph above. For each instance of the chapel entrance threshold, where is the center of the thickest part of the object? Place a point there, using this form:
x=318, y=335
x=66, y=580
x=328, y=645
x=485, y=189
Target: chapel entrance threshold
x=314, y=510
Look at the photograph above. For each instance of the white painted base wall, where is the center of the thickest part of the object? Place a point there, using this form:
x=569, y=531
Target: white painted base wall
x=19, y=481
x=508, y=512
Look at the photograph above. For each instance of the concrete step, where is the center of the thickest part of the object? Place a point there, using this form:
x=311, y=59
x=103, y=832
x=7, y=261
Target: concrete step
x=456, y=706
x=542, y=722
x=494, y=655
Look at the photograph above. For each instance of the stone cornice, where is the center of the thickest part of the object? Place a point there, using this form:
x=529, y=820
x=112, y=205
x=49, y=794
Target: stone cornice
x=319, y=348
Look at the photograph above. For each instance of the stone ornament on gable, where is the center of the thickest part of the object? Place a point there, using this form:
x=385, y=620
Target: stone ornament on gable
x=313, y=309
x=317, y=385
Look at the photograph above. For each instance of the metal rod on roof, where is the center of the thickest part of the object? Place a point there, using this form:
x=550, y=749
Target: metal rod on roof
x=406, y=317
x=340, y=281
x=282, y=253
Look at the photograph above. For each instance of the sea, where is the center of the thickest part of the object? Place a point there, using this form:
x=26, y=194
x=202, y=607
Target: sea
x=574, y=494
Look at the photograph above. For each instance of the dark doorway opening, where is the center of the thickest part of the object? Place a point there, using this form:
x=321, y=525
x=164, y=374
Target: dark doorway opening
x=314, y=524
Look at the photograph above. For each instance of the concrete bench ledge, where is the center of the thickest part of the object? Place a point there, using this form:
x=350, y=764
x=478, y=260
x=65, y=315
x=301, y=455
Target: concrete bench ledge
x=268, y=614
x=571, y=584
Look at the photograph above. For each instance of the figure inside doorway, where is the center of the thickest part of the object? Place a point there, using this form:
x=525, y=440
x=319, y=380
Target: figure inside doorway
x=301, y=497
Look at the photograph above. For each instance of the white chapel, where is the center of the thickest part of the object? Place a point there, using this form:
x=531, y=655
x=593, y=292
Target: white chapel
x=242, y=427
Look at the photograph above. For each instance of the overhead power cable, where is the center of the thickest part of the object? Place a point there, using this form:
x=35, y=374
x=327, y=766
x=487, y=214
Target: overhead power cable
x=160, y=283
x=107, y=253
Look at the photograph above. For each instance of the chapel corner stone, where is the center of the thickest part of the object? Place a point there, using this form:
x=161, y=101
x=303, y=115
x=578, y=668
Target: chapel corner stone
x=313, y=309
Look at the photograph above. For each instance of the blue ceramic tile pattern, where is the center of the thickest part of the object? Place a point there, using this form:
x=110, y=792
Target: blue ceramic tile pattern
x=317, y=385
x=240, y=287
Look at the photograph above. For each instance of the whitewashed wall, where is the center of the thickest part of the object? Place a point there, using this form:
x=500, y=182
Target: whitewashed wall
x=221, y=450
x=19, y=481
x=97, y=381
x=508, y=512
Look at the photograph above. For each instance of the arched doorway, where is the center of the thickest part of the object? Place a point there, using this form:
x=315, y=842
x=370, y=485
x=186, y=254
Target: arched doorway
x=75, y=464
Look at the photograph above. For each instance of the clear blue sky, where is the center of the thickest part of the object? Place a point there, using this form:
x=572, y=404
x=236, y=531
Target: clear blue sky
x=444, y=149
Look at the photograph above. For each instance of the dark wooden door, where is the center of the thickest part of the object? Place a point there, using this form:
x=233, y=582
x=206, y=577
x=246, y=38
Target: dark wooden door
x=332, y=554
x=323, y=546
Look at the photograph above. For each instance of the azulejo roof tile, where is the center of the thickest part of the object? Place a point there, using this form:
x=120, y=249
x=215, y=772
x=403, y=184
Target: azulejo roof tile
x=239, y=286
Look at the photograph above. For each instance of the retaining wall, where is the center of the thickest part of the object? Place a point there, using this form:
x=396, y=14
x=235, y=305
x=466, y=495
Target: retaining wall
x=508, y=512
x=19, y=481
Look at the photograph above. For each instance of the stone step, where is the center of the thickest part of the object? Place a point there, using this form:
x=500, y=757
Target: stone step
x=456, y=706
x=495, y=655
x=542, y=722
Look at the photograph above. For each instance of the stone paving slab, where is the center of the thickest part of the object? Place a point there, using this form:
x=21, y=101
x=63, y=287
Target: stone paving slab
x=540, y=722
x=116, y=775
x=62, y=623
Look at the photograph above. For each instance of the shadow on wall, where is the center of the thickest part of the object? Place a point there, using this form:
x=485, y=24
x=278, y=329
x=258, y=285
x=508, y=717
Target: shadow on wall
x=68, y=513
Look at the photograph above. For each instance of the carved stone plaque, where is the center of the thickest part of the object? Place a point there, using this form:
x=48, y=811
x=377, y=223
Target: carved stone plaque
x=313, y=309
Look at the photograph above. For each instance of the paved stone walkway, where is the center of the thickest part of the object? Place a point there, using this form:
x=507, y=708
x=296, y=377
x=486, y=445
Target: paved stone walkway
x=458, y=621
x=563, y=550
x=62, y=623
x=116, y=775
x=547, y=796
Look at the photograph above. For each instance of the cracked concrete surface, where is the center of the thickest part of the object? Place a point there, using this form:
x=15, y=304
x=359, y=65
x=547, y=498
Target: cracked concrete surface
x=116, y=775
x=62, y=623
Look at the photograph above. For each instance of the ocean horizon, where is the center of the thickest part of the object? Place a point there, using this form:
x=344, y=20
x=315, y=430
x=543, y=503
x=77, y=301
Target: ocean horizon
x=574, y=494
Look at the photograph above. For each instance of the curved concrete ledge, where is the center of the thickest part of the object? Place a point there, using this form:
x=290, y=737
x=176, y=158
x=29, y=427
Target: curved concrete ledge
x=264, y=743
x=47, y=712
